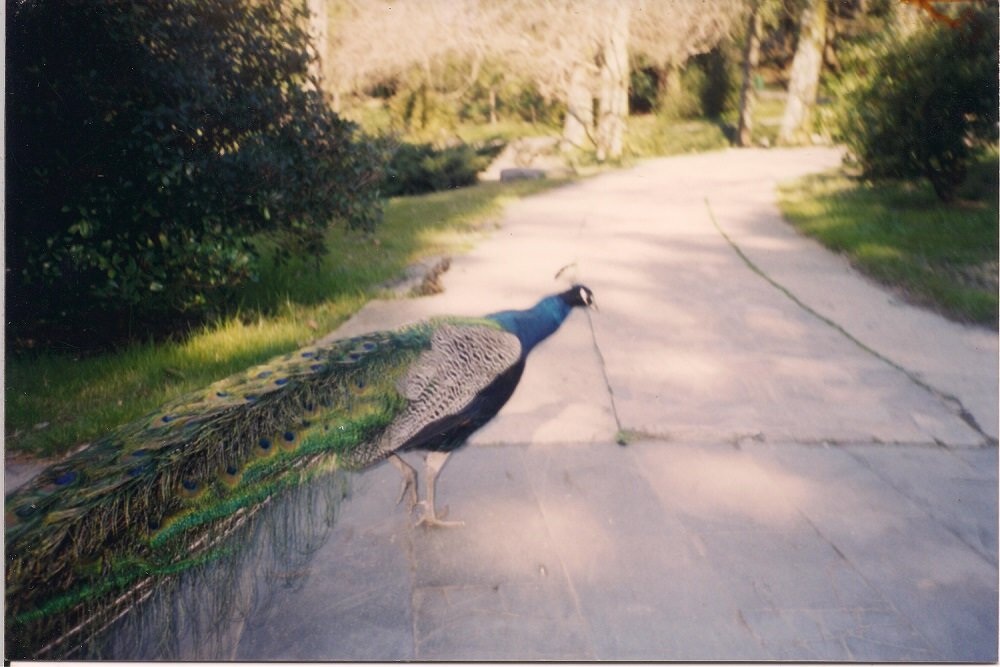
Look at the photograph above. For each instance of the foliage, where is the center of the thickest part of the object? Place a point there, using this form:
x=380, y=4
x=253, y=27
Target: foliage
x=937, y=254
x=420, y=107
x=719, y=90
x=150, y=143
x=655, y=135
x=643, y=88
x=709, y=87
x=420, y=168
x=55, y=402
x=918, y=107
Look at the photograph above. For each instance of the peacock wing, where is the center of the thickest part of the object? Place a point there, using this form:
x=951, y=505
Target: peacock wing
x=464, y=358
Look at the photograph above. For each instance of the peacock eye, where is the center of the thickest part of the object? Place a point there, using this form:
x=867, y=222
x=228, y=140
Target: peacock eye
x=67, y=477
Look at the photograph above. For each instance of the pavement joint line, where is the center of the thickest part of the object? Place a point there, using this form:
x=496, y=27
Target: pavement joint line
x=619, y=435
x=952, y=402
x=847, y=561
x=649, y=438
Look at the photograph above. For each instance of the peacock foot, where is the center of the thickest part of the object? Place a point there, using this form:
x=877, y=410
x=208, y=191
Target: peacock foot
x=431, y=520
x=408, y=484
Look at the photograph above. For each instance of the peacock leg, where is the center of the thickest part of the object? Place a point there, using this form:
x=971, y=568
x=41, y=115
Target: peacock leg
x=435, y=461
x=409, y=480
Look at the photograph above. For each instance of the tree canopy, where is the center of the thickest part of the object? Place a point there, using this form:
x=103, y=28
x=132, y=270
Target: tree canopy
x=149, y=145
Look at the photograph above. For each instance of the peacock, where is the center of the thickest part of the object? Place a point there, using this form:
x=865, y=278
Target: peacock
x=92, y=536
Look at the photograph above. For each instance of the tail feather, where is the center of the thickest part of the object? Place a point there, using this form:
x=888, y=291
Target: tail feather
x=161, y=495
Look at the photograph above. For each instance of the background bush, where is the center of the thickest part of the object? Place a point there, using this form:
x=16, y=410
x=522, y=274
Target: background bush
x=709, y=86
x=148, y=144
x=419, y=168
x=920, y=107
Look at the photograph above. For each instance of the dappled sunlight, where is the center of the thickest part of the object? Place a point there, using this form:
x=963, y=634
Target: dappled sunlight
x=724, y=487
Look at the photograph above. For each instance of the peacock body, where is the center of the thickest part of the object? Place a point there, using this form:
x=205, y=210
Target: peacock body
x=90, y=537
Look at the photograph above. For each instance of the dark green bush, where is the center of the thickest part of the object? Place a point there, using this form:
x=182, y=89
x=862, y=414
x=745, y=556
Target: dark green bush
x=719, y=90
x=709, y=86
x=419, y=168
x=920, y=107
x=148, y=144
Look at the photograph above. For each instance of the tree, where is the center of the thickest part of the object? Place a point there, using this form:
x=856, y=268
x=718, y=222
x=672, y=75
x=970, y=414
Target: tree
x=576, y=51
x=148, y=148
x=926, y=102
x=803, y=82
x=751, y=58
x=614, y=84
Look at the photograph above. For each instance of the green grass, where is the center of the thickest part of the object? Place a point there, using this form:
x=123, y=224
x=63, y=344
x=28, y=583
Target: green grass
x=374, y=118
x=941, y=256
x=56, y=402
x=651, y=135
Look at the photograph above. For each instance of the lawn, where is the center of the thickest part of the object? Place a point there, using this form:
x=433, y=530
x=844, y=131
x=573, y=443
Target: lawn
x=937, y=255
x=55, y=402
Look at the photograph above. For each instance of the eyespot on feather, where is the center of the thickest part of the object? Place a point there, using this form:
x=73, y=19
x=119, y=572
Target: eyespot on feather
x=230, y=474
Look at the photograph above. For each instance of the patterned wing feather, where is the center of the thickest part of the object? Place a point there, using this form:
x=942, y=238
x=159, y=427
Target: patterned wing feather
x=463, y=360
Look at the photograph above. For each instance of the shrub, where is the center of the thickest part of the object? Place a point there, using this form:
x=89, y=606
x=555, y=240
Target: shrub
x=148, y=144
x=709, y=86
x=419, y=168
x=919, y=107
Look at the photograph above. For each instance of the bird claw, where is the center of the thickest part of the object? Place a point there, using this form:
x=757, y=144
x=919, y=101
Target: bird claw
x=408, y=484
x=432, y=520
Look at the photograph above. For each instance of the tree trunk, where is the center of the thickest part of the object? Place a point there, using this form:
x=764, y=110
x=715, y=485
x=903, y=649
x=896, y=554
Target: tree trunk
x=906, y=18
x=614, y=86
x=579, y=111
x=751, y=57
x=493, y=106
x=803, y=82
x=669, y=85
x=318, y=22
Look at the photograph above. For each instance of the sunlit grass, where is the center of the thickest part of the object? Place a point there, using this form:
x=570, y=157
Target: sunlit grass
x=942, y=256
x=56, y=402
x=652, y=135
x=375, y=118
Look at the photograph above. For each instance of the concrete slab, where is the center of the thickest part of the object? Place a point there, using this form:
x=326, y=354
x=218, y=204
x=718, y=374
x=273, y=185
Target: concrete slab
x=345, y=603
x=650, y=551
x=909, y=335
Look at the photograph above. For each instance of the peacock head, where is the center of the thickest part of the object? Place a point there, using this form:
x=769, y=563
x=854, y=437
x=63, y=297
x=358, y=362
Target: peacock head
x=579, y=295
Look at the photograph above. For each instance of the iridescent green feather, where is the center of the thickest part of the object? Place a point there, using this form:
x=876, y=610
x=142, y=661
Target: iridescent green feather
x=161, y=495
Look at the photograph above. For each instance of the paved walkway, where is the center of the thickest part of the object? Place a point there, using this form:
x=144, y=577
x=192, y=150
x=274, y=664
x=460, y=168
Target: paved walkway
x=810, y=470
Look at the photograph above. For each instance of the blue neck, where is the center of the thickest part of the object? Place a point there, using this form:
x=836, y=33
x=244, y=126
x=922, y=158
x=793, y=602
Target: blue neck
x=534, y=325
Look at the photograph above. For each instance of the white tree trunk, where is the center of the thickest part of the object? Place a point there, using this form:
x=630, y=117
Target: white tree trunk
x=803, y=82
x=751, y=57
x=614, y=85
x=579, y=111
x=318, y=30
